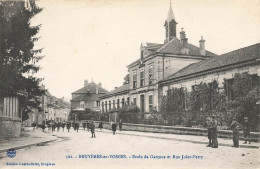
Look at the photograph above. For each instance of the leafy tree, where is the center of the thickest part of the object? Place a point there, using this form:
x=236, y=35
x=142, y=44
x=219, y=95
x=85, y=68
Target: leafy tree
x=246, y=94
x=18, y=58
x=126, y=79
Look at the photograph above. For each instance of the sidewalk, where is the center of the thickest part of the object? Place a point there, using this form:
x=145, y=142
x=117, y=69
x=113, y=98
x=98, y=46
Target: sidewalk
x=186, y=138
x=28, y=138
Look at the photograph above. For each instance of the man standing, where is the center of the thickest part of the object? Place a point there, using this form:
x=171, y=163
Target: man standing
x=120, y=124
x=208, y=125
x=92, y=129
x=84, y=125
x=235, y=127
x=214, y=130
x=77, y=126
x=246, y=131
x=114, y=128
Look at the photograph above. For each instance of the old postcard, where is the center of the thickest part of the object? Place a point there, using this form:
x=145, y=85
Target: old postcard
x=129, y=84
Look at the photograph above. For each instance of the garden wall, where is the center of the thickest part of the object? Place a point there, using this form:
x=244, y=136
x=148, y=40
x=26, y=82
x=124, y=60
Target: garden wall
x=178, y=130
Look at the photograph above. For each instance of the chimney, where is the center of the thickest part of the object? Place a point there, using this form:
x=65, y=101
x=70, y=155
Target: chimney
x=184, y=40
x=202, y=46
x=100, y=84
x=115, y=88
x=85, y=83
x=96, y=89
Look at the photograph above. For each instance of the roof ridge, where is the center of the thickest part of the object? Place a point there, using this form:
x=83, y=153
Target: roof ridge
x=166, y=44
x=240, y=49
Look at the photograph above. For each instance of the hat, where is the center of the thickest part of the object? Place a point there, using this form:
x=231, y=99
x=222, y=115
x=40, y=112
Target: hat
x=245, y=118
x=213, y=116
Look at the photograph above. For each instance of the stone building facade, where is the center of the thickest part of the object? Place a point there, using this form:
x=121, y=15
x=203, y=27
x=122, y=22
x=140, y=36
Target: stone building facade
x=88, y=97
x=158, y=61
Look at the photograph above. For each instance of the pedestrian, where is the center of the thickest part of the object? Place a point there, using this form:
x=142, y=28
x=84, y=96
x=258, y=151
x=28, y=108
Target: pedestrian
x=53, y=126
x=43, y=125
x=214, y=130
x=73, y=125
x=68, y=126
x=63, y=125
x=49, y=126
x=246, y=131
x=208, y=125
x=84, y=125
x=58, y=126
x=34, y=125
x=100, y=126
x=77, y=126
x=120, y=124
x=114, y=128
x=92, y=129
x=235, y=127
x=88, y=125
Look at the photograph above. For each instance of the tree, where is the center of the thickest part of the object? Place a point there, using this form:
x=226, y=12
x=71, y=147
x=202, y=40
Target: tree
x=126, y=79
x=246, y=94
x=18, y=58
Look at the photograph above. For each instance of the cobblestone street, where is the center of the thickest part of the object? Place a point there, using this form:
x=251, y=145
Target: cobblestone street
x=69, y=147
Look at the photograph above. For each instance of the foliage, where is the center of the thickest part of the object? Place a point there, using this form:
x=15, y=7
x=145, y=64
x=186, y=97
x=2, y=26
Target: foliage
x=184, y=108
x=246, y=94
x=18, y=57
x=126, y=79
x=129, y=114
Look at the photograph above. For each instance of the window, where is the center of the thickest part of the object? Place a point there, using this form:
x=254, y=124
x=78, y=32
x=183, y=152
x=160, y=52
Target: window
x=81, y=104
x=229, y=90
x=128, y=101
x=142, y=78
x=134, y=80
x=102, y=106
x=114, y=104
x=109, y=105
x=150, y=75
x=151, y=103
x=134, y=100
x=118, y=102
x=123, y=102
x=98, y=103
x=106, y=106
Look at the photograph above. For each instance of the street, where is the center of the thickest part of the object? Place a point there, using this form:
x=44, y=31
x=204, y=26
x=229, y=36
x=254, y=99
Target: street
x=124, y=151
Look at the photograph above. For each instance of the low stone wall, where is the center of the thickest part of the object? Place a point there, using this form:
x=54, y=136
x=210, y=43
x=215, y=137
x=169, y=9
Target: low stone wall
x=255, y=136
x=10, y=127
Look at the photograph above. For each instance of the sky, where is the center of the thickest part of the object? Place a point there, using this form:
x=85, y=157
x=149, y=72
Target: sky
x=85, y=39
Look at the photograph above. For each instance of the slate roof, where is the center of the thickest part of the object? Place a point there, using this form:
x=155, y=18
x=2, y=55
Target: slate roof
x=174, y=47
x=91, y=88
x=234, y=57
x=120, y=89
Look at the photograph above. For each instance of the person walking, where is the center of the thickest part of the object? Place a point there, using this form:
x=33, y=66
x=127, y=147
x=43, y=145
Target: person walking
x=68, y=126
x=58, y=126
x=208, y=125
x=246, y=131
x=77, y=126
x=100, y=125
x=63, y=125
x=214, y=130
x=88, y=125
x=120, y=125
x=34, y=125
x=84, y=125
x=92, y=129
x=114, y=128
x=235, y=127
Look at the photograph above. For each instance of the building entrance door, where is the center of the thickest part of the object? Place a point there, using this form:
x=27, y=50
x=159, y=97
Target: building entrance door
x=142, y=103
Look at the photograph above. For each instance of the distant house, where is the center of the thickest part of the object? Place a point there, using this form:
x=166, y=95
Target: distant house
x=88, y=97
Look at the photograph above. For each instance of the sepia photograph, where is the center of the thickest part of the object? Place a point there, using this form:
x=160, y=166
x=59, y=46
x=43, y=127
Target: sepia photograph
x=138, y=84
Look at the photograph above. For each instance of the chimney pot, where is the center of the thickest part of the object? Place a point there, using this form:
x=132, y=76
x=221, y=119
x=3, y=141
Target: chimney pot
x=202, y=47
x=85, y=83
